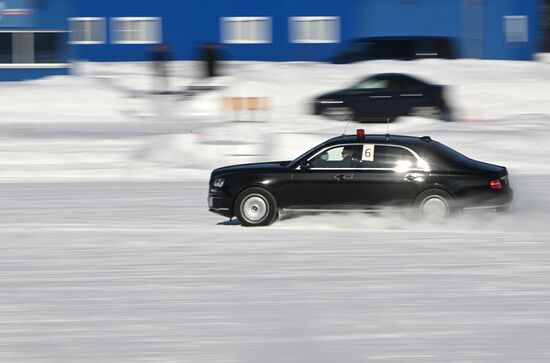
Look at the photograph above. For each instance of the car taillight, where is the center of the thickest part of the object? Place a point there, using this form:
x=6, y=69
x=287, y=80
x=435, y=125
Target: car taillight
x=495, y=184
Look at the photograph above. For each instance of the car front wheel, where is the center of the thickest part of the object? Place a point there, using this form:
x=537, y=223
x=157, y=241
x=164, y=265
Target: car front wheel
x=256, y=207
x=341, y=113
x=433, y=112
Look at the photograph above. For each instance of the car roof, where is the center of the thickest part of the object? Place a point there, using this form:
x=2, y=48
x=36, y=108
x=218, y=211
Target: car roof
x=379, y=139
x=392, y=74
x=401, y=75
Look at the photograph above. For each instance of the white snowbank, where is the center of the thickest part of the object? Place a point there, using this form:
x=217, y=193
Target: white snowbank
x=103, y=123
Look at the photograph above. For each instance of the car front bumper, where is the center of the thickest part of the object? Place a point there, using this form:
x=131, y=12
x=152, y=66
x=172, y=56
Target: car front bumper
x=219, y=202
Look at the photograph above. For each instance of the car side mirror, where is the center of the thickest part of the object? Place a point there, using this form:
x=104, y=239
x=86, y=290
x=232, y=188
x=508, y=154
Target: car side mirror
x=304, y=165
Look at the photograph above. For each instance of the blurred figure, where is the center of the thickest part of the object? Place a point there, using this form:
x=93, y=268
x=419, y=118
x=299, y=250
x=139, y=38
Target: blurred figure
x=159, y=56
x=210, y=56
x=347, y=156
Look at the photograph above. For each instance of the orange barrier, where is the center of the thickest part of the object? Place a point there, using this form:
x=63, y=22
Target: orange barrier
x=251, y=104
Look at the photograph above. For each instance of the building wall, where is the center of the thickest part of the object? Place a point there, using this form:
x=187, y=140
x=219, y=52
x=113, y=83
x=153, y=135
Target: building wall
x=26, y=23
x=477, y=25
x=35, y=14
x=188, y=23
x=410, y=17
x=496, y=45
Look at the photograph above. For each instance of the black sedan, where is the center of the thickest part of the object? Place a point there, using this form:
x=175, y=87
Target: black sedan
x=361, y=173
x=384, y=96
x=397, y=47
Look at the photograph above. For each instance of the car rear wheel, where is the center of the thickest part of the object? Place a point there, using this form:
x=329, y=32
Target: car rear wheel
x=341, y=113
x=256, y=207
x=435, y=204
x=427, y=111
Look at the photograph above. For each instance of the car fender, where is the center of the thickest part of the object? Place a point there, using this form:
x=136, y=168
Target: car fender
x=436, y=186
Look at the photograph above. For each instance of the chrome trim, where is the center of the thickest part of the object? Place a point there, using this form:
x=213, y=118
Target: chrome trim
x=376, y=169
x=338, y=210
x=411, y=94
x=417, y=157
x=488, y=207
x=379, y=96
x=220, y=209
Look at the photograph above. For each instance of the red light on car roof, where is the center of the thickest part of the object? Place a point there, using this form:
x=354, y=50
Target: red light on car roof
x=360, y=132
x=495, y=184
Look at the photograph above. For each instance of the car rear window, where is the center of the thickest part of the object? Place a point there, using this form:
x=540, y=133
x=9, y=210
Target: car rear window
x=410, y=84
x=449, y=152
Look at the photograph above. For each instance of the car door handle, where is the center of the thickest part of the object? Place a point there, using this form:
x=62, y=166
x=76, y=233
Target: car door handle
x=414, y=177
x=343, y=177
x=411, y=94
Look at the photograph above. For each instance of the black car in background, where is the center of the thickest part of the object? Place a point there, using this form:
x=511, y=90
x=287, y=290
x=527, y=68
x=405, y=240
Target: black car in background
x=397, y=47
x=384, y=96
x=360, y=173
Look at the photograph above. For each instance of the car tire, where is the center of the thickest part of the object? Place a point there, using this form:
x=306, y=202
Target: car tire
x=256, y=207
x=340, y=113
x=427, y=111
x=435, y=204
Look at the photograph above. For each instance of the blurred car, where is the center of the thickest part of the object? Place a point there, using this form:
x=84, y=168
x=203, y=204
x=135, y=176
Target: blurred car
x=361, y=173
x=397, y=47
x=384, y=96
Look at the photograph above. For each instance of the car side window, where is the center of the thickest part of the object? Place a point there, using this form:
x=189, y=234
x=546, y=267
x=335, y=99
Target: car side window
x=390, y=157
x=338, y=157
x=373, y=84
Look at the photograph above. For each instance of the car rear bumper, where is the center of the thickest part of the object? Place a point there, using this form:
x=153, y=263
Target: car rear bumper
x=499, y=202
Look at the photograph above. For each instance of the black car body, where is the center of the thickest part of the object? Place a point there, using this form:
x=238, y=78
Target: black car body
x=384, y=96
x=377, y=171
x=397, y=47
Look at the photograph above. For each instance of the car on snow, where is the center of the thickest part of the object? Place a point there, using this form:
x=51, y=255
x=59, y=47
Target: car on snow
x=384, y=97
x=361, y=173
x=397, y=47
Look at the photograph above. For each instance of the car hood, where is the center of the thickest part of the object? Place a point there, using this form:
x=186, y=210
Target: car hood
x=334, y=94
x=243, y=168
x=341, y=93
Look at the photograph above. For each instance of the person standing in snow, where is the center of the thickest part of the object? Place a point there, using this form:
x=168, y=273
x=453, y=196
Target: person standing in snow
x=159, y=56
x=210, y=55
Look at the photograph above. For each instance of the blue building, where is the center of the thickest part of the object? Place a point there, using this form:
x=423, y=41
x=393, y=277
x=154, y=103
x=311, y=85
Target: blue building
x=33, y=38
x=40, y=37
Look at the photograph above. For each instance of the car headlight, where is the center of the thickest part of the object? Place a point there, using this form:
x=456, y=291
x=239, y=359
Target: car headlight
x=218, y=183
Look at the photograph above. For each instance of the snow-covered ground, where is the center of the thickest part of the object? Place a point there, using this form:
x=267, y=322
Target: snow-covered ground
x=141, y=272
x=108, y=252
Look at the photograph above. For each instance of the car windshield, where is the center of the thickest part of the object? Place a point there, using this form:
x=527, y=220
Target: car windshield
x=353, y=47
x=297, y=160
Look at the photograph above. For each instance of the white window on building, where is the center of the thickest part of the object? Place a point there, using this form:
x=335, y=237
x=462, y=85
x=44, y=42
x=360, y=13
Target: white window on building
x=246, y=30
x=87, y=30
x=516, y=29
x=136, y=30
x=314, y=29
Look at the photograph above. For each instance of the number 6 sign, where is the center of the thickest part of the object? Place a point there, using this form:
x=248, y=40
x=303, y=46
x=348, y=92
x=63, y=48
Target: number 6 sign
x=368, y=152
